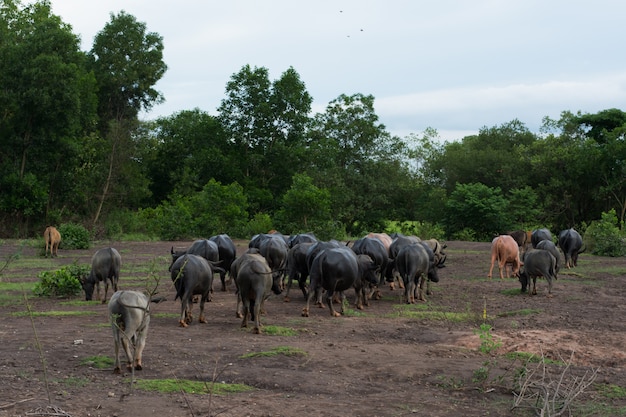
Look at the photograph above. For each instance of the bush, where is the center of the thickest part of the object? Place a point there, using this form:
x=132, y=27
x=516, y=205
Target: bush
x=603, y=237
x=63, y=282
x=74, y=236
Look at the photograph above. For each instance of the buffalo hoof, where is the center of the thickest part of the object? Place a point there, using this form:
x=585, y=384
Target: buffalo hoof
x=182, y=323
x=257, y=330
x=117, y=371
x=287, y=299
x=305, y=312
x=202, y=320
x=239, y=315
x=138, y=367
x=335, y=314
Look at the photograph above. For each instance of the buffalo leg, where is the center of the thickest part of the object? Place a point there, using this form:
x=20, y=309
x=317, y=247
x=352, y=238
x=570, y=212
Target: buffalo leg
x=201, y=318
x=329, y=302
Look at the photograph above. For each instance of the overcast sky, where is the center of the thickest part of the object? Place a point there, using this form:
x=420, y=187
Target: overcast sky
x=452, y=65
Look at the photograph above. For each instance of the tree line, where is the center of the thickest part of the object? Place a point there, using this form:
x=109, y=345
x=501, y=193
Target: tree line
x=74, y=150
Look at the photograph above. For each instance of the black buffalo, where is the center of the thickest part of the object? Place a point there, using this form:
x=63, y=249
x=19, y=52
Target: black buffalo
x=551, y=247
x=192, y=275
x=274, y=249
x=365, y=280
x=301, y=238
x=375, y=249
x=336, y=270
x=201, y=247
x=537, y=263
x=227, y=252
x=416, y=265
x=571, y=244
x=539, y=235
x=297, y=267
x=105, y=266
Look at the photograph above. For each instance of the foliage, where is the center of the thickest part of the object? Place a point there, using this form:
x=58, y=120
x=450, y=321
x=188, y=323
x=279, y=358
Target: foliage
x=278, y=350
x=215, y=209
x=305, y=207
x=72, y=149
x=189, y=386
x=74, y=236
x=260, y=223
x=63, y=282
x=604, y=237
x=424, y=230
x=478, y=207
x=98, y=362
x=488, y=344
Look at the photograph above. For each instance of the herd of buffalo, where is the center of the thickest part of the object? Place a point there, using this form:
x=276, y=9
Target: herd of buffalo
x=273, y=261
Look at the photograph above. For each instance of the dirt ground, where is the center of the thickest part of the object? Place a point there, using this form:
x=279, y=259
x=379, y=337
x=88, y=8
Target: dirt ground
x=379, y=362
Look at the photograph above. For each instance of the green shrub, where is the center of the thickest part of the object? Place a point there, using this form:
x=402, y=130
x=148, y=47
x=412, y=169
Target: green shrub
x=63, y=282
x=74, y=236
x=603, y=237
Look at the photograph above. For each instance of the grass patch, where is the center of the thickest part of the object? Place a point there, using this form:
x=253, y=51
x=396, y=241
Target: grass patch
x=165, y=315
x=522, y=312
x=80, y=303
x=189, y=386
x=99, y=362
x=426, y=311
x=53, y=313
x=279, y=331
x=530, y=358
x=611, y=391
x=279, y=350
x=511, y=291
x=17, y=286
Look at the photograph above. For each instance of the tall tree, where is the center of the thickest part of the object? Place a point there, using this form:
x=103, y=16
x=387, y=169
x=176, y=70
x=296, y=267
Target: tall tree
x=127, y=61
x=359, y=162
x=47, y=101
x=190, y=149
x=266, y=122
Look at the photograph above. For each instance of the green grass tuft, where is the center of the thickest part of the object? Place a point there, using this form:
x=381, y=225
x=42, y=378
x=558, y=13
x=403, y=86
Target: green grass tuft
x=279, y=350
x=99, y=362
x=279, y=331
x=522, y=312
x=53, y=313
x=189, y=386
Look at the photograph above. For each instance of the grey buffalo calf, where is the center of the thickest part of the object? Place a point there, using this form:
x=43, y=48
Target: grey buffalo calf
x=538, y=263
x=105, y=266
x=129, y=312
x=255, y=283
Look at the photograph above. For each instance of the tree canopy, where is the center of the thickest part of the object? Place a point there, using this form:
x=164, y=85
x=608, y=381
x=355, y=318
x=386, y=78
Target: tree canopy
x=74, y=150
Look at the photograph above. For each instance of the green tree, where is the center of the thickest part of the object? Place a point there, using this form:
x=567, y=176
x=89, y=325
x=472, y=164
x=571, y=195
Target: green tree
x=477, y=207
x=305, y=207
x=493, y=157
x=364, y=168
x=189, y=149
x=47, y=100
x=127, y=61
x=266, y=122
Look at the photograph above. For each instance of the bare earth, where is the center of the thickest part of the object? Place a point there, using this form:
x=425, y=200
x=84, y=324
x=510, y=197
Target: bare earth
x=375, y=363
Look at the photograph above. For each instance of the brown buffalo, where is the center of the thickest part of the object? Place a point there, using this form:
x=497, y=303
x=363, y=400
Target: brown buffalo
x=504, y=249
x=52, y=237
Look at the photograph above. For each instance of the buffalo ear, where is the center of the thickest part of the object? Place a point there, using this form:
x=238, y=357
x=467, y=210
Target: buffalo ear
x=172, y=250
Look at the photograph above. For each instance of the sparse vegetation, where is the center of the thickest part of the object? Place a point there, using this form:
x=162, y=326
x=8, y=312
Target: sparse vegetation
x=190, y=386
x=279, y=350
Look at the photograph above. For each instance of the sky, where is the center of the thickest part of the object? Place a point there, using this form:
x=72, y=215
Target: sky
x=453, y=65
